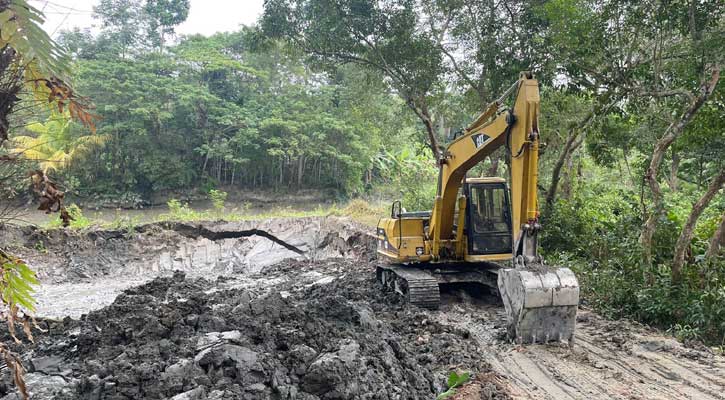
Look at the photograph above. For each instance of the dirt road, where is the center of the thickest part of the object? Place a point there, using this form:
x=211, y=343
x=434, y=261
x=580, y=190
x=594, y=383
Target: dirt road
x=609, y=359
x=319, y=327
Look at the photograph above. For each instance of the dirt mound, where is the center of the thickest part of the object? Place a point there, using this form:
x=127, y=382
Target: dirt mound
x=298, y=330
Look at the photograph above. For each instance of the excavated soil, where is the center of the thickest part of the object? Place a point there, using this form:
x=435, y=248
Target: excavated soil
x=164, y=313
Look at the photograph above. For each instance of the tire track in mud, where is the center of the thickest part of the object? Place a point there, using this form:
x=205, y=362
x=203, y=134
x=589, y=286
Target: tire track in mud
x=637, y=376
x=609, y=360
x=693, y=385
x=683, y=368
x=664, y=370
x=582, y=382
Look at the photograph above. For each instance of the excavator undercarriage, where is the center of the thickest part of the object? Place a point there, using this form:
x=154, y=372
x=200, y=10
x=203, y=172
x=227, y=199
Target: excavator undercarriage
x=485, y=230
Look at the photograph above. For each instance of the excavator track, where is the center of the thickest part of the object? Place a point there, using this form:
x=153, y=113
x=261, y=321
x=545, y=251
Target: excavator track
x=417, y=286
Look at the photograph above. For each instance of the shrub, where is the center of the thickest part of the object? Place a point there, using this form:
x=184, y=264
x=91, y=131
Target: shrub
x=124, y=223
x=78, y=220
x=596, y=231
x=360, y=210
x=218, y=199
x=179, y=211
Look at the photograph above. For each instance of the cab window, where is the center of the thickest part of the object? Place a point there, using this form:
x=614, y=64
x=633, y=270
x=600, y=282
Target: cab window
x=489, y=220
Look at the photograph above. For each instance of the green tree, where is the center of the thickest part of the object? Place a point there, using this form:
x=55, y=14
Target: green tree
x=163, y=16
x=53, y=144
x=382, y=36
x=123, y=23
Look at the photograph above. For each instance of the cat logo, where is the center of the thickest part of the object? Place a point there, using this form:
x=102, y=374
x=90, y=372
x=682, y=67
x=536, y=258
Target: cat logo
x=480, y=139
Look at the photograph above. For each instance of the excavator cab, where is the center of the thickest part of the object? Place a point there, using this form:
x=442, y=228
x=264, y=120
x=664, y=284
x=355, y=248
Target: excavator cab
x=488, y=221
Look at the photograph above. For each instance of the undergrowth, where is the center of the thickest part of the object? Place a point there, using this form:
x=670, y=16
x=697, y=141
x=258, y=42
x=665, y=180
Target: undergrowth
x=358, y=209
x=595, y=233
x=691, y=311
x=77, y=219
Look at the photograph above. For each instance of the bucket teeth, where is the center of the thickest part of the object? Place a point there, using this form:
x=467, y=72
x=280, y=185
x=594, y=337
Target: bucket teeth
x=540, y=306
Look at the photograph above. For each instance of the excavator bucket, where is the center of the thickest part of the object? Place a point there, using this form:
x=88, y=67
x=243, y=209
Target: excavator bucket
x=541, y=305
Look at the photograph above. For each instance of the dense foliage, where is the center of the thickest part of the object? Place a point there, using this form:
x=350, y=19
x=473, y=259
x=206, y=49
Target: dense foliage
x=232, y=109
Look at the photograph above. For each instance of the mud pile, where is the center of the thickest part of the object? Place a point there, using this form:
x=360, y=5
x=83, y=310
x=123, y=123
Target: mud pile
x=315, y=327
x=307, y=331
x=241, y=320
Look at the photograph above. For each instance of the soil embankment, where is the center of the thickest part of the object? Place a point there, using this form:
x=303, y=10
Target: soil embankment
x=250, y=318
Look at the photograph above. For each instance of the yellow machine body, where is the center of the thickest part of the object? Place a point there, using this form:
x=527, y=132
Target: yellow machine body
x=403, y=239
x=403, y=235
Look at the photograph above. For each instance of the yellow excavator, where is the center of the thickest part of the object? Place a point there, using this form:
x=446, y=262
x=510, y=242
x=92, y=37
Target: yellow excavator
x=484, y=230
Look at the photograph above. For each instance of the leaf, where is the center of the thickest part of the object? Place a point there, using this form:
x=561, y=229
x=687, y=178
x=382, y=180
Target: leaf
x=452, y=379
x=8, y=30
x=13, y=362
x=5, y=16
x=456, y=380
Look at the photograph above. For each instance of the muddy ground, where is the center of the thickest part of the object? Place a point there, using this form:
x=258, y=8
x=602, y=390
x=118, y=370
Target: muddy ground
x=158, y=313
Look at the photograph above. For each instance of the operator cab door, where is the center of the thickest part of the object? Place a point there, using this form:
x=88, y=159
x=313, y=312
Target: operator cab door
x=488, y=219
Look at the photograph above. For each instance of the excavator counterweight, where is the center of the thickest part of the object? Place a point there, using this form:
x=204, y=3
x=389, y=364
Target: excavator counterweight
x=485, y=230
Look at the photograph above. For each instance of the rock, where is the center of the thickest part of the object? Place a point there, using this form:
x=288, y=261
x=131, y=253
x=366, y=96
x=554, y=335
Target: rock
x=367, y=318
x=177, y=375
x=193, y=394
x=256, y=388
x=244, y=358
x=48, y=365
x=216, y=395
x=211, y=323
x=333, y=371
x=303, y=353
x=213, y=338
x=43, y=387
x=349, y=351
x=324, y=281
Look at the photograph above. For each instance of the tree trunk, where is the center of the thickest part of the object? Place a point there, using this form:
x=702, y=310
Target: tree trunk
x=300, y=170
x=566, y=184
x=493, y=169
x=573, y=141
x=671, y=133
x=420, y=108
x=683, y=242
x=672, y=181
x=717, y=240
x=206, y=161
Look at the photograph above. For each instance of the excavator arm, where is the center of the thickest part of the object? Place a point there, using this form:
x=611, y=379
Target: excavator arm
x=517, y=129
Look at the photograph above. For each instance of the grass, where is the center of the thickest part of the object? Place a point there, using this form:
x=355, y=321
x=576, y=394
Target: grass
x=78, y=220
x=358, y=210
x=362, y=211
